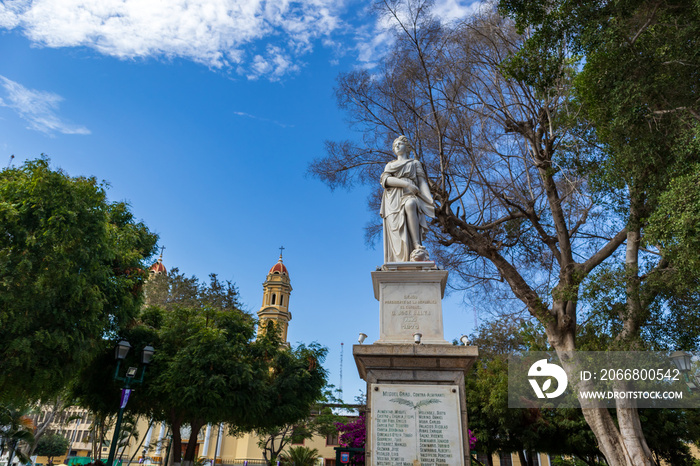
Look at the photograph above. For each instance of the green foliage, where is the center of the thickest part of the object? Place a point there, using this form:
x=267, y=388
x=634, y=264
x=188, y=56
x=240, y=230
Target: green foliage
x=299, y=456
x=51, y=445
x=70, y=273
x=670, y=432
x=209, y=367
x=176, y=289
x=675, y=225
x=669, y=320
x=500, y=428
x=637, y=82
x=319, y=419
x=15, y=429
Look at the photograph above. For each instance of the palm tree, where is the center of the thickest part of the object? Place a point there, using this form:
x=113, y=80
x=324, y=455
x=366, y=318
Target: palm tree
x=15, y=427
x=299, y=456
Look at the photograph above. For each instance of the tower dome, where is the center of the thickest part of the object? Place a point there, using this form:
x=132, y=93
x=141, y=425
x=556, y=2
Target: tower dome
x=275, y=306
x=158, y=267
x=279, y=268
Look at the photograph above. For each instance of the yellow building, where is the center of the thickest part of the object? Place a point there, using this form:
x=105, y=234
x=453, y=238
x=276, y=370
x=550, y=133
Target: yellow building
x=214, y=444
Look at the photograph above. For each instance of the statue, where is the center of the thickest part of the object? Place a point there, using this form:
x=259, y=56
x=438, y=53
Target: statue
x=406, y=203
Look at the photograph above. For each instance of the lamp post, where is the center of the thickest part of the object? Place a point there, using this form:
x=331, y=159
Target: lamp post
x=120, y=353
x=682, y=361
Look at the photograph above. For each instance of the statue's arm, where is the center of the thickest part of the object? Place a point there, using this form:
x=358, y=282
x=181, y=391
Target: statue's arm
x=424, y=188
x=423, y=185
x=395, y=182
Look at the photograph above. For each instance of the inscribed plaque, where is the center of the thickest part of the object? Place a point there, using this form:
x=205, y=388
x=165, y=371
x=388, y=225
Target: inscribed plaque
x=416, y=422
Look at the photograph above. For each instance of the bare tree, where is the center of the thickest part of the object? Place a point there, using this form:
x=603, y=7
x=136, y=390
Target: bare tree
x=515, y=212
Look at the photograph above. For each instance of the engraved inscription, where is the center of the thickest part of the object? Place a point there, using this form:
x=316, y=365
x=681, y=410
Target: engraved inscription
x=409, y=309
x=416, y=423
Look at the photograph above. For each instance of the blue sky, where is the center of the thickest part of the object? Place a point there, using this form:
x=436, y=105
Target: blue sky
x=204, y=115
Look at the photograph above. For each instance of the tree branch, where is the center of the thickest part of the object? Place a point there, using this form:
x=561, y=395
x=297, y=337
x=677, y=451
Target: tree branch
x=604, y=252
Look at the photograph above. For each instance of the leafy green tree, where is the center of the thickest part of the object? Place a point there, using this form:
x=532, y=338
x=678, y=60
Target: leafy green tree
x=637, y=90
x=208, y=367
x=669, y=433
x=49, y=409
x=499, y=428
x=16, y=428
x=558, y=432
x=70, y=273
x=320, y=421
x=52, y=445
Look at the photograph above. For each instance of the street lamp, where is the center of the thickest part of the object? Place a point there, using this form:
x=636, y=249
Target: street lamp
x=681, y=360
x=120, y=353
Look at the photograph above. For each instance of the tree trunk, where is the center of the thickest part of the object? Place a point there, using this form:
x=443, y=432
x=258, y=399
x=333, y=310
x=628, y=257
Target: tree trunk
x=631, y=430
x=11, y=452
x=41, y=428
x=190, y=453
x=176, y=442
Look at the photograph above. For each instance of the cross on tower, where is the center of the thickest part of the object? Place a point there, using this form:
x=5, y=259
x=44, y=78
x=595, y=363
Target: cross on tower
x=162, y=248
x=281, y=249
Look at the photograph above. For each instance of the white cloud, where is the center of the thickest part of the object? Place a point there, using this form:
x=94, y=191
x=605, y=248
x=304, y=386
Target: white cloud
x=37, y=107
x=248, y=115
x=255, y=38
x=374, y=40
x=216, y=33
x=451, y=10
x=275, y=64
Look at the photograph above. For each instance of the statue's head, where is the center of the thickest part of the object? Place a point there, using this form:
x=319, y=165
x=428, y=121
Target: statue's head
x=400, y=139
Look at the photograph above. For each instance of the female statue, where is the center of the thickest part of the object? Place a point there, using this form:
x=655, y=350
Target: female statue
x=405, y=205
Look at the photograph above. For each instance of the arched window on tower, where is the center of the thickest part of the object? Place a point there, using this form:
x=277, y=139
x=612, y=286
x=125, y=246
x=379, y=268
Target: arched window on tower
x=281, y=300
x=273, y=298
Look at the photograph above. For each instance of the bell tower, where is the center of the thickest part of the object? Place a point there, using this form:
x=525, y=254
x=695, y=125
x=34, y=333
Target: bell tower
x=275, y=305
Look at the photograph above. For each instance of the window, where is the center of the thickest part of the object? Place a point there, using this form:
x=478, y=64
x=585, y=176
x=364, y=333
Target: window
x=506, y=459
x=482, y=458
x=332, y=440
x=281, y=299
x=273, y=298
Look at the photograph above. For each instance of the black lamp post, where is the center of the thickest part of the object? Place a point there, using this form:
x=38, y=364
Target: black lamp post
x=120, y=353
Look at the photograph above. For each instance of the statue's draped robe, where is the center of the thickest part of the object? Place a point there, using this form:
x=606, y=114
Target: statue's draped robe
x=397, y=243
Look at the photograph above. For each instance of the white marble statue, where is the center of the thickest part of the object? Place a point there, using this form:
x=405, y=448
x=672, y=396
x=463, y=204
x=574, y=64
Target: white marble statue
x=405, y=205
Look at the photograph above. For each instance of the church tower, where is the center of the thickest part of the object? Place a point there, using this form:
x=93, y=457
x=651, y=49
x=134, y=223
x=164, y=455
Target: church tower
x=158, y=268
x=275, y=305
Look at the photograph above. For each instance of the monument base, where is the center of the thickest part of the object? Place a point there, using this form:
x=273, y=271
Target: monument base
x=417, y=411
x=410, y=301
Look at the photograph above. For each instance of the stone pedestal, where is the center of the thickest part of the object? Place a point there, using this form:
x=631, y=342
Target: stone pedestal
x=410, y=301
x=417, y=408
x=415, y=392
